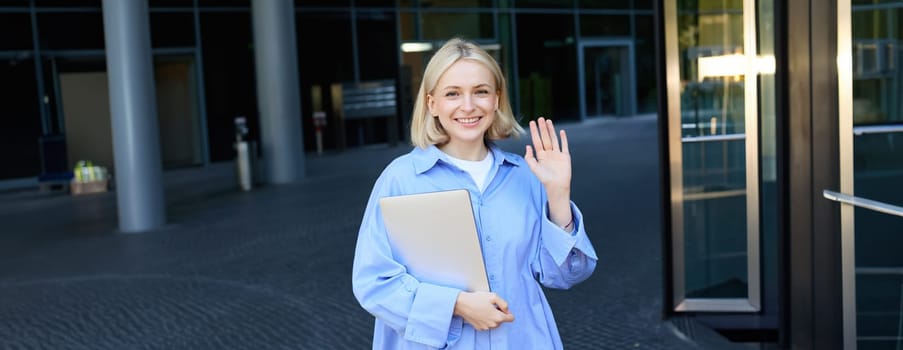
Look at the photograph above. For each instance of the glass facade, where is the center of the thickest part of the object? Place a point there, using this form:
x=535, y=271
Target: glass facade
x=339, y=41
x=877, y=85
x=547, y=73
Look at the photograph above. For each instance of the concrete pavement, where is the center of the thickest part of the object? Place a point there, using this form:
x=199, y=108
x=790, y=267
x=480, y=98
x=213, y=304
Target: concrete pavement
x=270, y=268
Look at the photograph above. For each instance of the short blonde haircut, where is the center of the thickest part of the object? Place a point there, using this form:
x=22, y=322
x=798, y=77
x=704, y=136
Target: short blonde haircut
x=425, y=128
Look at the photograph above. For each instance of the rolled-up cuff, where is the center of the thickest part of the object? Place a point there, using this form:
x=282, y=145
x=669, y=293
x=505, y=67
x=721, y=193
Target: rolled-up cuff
x=431, y=320
x=560, y=243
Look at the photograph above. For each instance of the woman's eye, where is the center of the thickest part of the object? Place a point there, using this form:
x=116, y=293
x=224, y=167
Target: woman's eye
x=451, y=94
x=482, y=92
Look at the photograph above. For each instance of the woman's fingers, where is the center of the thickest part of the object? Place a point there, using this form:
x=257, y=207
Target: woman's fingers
x=564, y=142
x=483, y=310
x=552, y=137
x=500, y=303
x=528, y=156
x=544, y=134
x=542, y=131
x=534, y=133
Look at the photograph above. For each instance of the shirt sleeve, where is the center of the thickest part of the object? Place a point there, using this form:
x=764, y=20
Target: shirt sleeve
x=422, y=312
x=563, y=259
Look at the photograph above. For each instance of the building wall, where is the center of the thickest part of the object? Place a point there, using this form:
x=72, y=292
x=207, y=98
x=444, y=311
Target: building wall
x=337, y=42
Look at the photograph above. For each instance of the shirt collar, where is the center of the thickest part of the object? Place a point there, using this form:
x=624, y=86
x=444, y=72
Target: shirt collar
x=426, y=158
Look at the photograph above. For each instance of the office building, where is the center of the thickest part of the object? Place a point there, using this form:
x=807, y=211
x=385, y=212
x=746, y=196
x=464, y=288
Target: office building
x=769, y=111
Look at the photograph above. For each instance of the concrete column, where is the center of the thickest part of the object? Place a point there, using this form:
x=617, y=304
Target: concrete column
x=133, y=109
x=278, y=94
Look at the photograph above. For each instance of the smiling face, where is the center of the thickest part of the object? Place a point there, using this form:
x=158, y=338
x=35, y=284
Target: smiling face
x=465, y=100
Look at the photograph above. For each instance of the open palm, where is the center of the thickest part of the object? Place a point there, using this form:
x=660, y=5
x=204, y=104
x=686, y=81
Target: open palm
x=551, y=163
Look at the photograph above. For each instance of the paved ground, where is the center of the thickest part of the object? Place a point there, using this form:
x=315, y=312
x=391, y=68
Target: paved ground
x=270, y=269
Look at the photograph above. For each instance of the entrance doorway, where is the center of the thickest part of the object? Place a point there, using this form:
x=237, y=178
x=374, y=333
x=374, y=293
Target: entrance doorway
x=84, y=101
x=870, y=138
x=607, y=78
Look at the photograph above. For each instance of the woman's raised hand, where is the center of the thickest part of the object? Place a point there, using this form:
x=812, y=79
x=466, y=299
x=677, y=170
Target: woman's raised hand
x=551, y=163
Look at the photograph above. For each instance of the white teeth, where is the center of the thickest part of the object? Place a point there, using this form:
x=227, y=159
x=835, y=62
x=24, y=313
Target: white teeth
x=468, y=120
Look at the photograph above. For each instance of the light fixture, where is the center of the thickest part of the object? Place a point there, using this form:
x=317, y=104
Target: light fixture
x=416, y=47
x=733, y=65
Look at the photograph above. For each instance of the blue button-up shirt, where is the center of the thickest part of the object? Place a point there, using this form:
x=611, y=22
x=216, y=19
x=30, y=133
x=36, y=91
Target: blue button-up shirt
x=521, y=248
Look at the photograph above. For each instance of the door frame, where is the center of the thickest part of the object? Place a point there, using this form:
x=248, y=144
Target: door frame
x=631, y=62
x=191, y=54
x=679, y=300
x=845, y=141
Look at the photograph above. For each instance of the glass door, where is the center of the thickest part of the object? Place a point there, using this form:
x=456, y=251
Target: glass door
x=720, y=85
x=870, y=54
x=607, y=83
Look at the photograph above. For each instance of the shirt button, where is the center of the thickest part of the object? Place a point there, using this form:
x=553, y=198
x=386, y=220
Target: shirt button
x=489, y=238
x=492, y=277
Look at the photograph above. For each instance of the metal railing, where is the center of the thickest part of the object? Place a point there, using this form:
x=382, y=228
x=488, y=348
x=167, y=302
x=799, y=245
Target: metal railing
x=723, y=137
x=877, y=129
x=864, y=203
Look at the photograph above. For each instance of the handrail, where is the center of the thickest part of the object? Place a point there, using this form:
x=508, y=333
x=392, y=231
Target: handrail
x=864, y=203
x=877, y=129
x=725, y=137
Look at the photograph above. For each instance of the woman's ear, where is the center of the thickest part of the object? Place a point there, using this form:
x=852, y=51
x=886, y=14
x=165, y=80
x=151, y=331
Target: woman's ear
x=429, y=104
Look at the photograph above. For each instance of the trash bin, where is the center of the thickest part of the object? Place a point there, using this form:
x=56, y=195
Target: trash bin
x=243, y=154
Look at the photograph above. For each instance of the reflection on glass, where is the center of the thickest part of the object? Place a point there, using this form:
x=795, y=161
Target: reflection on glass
x=646, y=87
x=877, y=52
x=441, y=26
x=604, y=4
x=406, y=25
x=16, y=29
x=322, y=3
x=877, y=55
x=547, y=75
x=878, y=173
x=604, y=25
x=714, y=149
x=544, y=3
x=455, y=3
x=607, y=74
x=83, y=30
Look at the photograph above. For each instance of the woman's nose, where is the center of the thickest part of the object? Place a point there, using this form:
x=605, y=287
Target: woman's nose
x=467, y=104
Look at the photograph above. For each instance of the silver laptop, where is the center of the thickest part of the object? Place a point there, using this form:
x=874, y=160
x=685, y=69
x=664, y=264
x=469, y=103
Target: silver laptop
x=435, y=237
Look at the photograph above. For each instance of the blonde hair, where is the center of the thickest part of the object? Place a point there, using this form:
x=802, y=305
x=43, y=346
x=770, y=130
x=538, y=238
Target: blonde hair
x=425, y=128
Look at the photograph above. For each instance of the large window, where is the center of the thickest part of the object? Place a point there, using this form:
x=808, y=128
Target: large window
x=16, y=29
x=323, y=60
x=21, y=122
x=877, y=160
x=71, y=31
x=444, y=25
x=228, y=78
x=172, y=29
x=546, y=66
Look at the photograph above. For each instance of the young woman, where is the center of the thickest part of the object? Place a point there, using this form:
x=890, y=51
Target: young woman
x=530, y=231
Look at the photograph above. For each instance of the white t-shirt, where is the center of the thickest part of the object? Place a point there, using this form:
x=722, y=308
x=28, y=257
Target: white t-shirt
x=478, y=169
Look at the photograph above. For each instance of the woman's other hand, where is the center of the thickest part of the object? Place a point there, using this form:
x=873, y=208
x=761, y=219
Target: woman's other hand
x=482, y=310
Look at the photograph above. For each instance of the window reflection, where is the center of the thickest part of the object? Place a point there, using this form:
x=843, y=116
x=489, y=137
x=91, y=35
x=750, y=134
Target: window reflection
x=713, y=118
x=877, y=55
x=441, y=26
